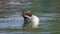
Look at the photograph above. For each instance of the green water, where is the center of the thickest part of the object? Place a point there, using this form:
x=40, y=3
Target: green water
x=49, y=24
x=47, y=10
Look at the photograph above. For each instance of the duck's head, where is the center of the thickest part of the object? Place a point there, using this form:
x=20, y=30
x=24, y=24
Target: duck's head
x=29, y=14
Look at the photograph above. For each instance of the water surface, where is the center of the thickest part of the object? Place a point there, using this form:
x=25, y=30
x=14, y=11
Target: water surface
x=49, y=24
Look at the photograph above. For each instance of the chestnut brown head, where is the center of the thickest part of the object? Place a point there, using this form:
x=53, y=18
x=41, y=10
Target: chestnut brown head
x=29, y=14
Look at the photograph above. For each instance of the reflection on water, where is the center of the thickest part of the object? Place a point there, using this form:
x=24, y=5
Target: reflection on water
x=49, y=23
x=5, y=22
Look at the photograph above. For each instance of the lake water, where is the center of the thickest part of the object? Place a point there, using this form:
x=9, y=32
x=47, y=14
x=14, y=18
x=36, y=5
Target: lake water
x=49, y=24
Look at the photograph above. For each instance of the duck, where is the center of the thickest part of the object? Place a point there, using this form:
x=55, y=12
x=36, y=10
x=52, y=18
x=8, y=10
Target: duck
x=33, y=20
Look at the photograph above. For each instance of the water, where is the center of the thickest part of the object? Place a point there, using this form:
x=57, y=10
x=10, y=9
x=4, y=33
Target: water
x=49, y=24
